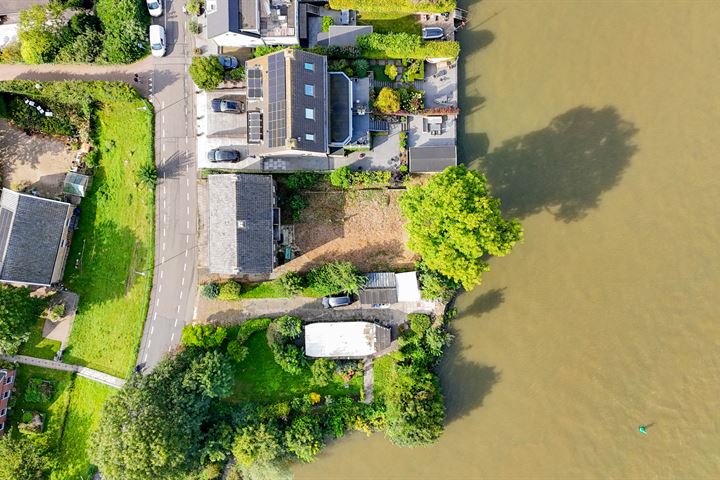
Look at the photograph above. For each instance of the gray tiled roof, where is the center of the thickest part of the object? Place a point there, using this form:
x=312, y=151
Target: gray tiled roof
x=432, y=158
x=232, y=16
x=240, y=236
x=318, y=102
x=31, y=229
x=340, y=107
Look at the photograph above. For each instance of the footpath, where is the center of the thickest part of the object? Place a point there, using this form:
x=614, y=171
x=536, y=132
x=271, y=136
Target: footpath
x=85, y=372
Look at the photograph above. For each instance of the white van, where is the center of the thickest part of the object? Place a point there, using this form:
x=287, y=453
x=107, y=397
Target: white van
x=157, y=40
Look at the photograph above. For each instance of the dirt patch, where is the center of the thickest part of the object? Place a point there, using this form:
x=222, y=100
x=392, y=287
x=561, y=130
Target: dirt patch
x=36, y=160
x=364, y=227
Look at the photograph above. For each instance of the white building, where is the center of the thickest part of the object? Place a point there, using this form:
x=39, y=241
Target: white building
x=252, y=23
x=345, y=339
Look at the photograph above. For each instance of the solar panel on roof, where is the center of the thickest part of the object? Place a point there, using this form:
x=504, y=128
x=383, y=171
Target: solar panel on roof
x=277, y=125
x=254, y=82
x=254, y=127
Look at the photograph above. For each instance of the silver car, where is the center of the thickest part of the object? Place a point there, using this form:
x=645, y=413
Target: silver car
x=338, y=301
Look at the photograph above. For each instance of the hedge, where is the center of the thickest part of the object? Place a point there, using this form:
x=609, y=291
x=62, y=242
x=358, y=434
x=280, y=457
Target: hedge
x=397, y=6
x=75, y=92
x=405, y=45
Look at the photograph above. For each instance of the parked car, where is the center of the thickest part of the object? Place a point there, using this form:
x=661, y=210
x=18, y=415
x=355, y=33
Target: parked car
x=432, y=33
x=336, y=301
x=157, y=40
x=226, y=106
x=154, y=7
x=217, y=155
x=228, y=62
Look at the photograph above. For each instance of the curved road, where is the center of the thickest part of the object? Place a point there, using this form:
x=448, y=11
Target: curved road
x=167, y=85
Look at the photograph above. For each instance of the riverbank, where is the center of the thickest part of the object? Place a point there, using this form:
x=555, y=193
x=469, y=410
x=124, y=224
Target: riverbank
x=595, y=124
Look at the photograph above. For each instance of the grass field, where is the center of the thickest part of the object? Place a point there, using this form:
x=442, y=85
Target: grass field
x=54, y=410
x=382, y=367
x=114, y=241
x=83, y=415
x=37, y=346
x=390, y=22
x=258, y=378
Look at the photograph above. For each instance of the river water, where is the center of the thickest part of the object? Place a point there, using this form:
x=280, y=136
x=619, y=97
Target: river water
x=597, y=123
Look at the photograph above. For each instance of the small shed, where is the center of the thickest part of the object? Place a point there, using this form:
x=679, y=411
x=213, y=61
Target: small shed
x=380, y=289
x=345, y=339
x=77, y=184
x=407, y=287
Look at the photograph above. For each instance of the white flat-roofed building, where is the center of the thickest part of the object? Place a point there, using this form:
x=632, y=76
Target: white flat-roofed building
x=345, y=339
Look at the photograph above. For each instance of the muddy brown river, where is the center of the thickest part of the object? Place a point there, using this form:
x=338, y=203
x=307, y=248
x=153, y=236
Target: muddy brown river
x=598, y=124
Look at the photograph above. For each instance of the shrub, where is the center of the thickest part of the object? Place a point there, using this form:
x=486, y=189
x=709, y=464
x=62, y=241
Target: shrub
x=338, y=65
x=340, y=177
x=280, y=334
x=411, y=100
x=391, y=71
x=206, y=72
x=194, y=7
x=236, y=74
x=125, y=24
x=252, y=326
x=263, y=50
x=289, y=327
x=203, y=336
x=230, y=291
x=414, y=71
x=405, y=45
x=11, y=53
x=396, y=6
x=292, y=283
x=237, y=351
x=434, y=285
x=298, y=203
x=288, y=357
x=210, y=290
x=403, y=141
x=419, y=323
x=147, y=175
x=39, y=390
x=57, y=312
x=387, y=101
x=301, y=180
x=194, y=27
x=361, y=67
x=327, y=22
x=322, y=370
x=336, y=277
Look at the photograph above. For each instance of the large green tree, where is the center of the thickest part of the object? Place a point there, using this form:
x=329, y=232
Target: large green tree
x=125, y=23
x=39, y=32
x=415, y=409
x=336, y=277
x=454, y=222
x=304, y=437
x=206, y=72
x=23, y=457
x=18, y=312
x=261, y=443
x=153, y=428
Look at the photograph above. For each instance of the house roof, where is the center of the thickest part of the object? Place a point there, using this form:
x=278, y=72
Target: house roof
x=343, y=35
x=407, y=287
x=378, y=296
x=240, y=229
x=225, y=16
x=380, y=280
x=31, y=229
x=340, y=108
x=432, y=158
x=345, y=339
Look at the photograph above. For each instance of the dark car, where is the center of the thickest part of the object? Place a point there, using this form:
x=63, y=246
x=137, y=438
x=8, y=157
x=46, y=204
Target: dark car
x=228, y=62
x=338, y=301
x=217, y=155
x=226, y=106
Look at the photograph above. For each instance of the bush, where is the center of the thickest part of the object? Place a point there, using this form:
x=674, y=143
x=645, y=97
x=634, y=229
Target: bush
x=236, y=74
x=301, y=180
x=288, y=357
x=292, y=283
x=327, y=22
x=338, y=65
x=396, y=6
x=288, y=327
x=322, y=370
x=403, y=141
x=237, y=351
x=414, y=71
x=39, y=390
x=298, y=203
x=206, y=72
x=387, y=101
x=11, y=53
x=434, y=285
x=194, y=7
x=252, y=326
x=391, y=71
x=263, y=50
x=125, y=25
x=405, y=45
x=203, y=336
x=194, y=27
x=280, y=334
x=147, y=175
x=210, y=290
x=411, y=100
x=419, y=323
x=340, y=177
x=230, y=291
x=336, y=277
x=57, y=312
x=361, y=67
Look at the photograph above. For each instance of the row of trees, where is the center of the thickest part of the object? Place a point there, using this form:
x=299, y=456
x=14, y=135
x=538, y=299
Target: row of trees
x=115, y=33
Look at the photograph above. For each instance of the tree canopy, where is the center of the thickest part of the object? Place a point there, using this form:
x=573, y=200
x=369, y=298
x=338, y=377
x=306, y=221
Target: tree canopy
x=206, y=72
x=387, y=101
x=18, y=312
x=454, y=222
x=336, y=277
x=23, y=457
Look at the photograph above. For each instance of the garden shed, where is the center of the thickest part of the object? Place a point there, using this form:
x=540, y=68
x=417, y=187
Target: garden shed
x=345, y=339
x=77, y=184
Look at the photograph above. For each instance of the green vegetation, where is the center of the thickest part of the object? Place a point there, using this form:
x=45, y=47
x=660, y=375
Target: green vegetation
x=345, y=178
x=27, y=118
x=230, y=290
x=405, y=45
x=37, y=346
x=282, y=334
x=336, y=277
x=388, y=22
x=391, y=71
x=414, y=70
x=292, y=196
x=327, y=22
x=18, y=313
x=203, y=336
x=114, y=32
x=387, y=101
x=260, y=379
x=453, y=222
x=434, y=285
x=400, y=6
x=360, y=67
x=206, y=72
x=411, y=100
x=379, y=73
x=23, y=457
x=194, y=7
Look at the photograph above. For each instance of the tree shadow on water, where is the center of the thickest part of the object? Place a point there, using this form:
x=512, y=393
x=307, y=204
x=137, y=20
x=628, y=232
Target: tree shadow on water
x=563, y=168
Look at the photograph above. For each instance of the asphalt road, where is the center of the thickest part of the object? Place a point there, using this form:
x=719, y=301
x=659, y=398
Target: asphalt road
x=173, y=296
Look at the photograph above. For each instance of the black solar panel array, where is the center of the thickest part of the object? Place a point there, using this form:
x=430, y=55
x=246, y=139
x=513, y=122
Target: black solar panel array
x=277, y=123
x=254, y=120
x=254, y=82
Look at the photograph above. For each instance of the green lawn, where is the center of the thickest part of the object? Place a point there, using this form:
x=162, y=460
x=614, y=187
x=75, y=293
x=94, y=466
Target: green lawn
x=258, y=378
x=114, y=241
x=86, y=401
x=37, y=346
x=379, y=73
x=382, y=368
x=54, y=410
x=271, y=289
x=390, y=22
